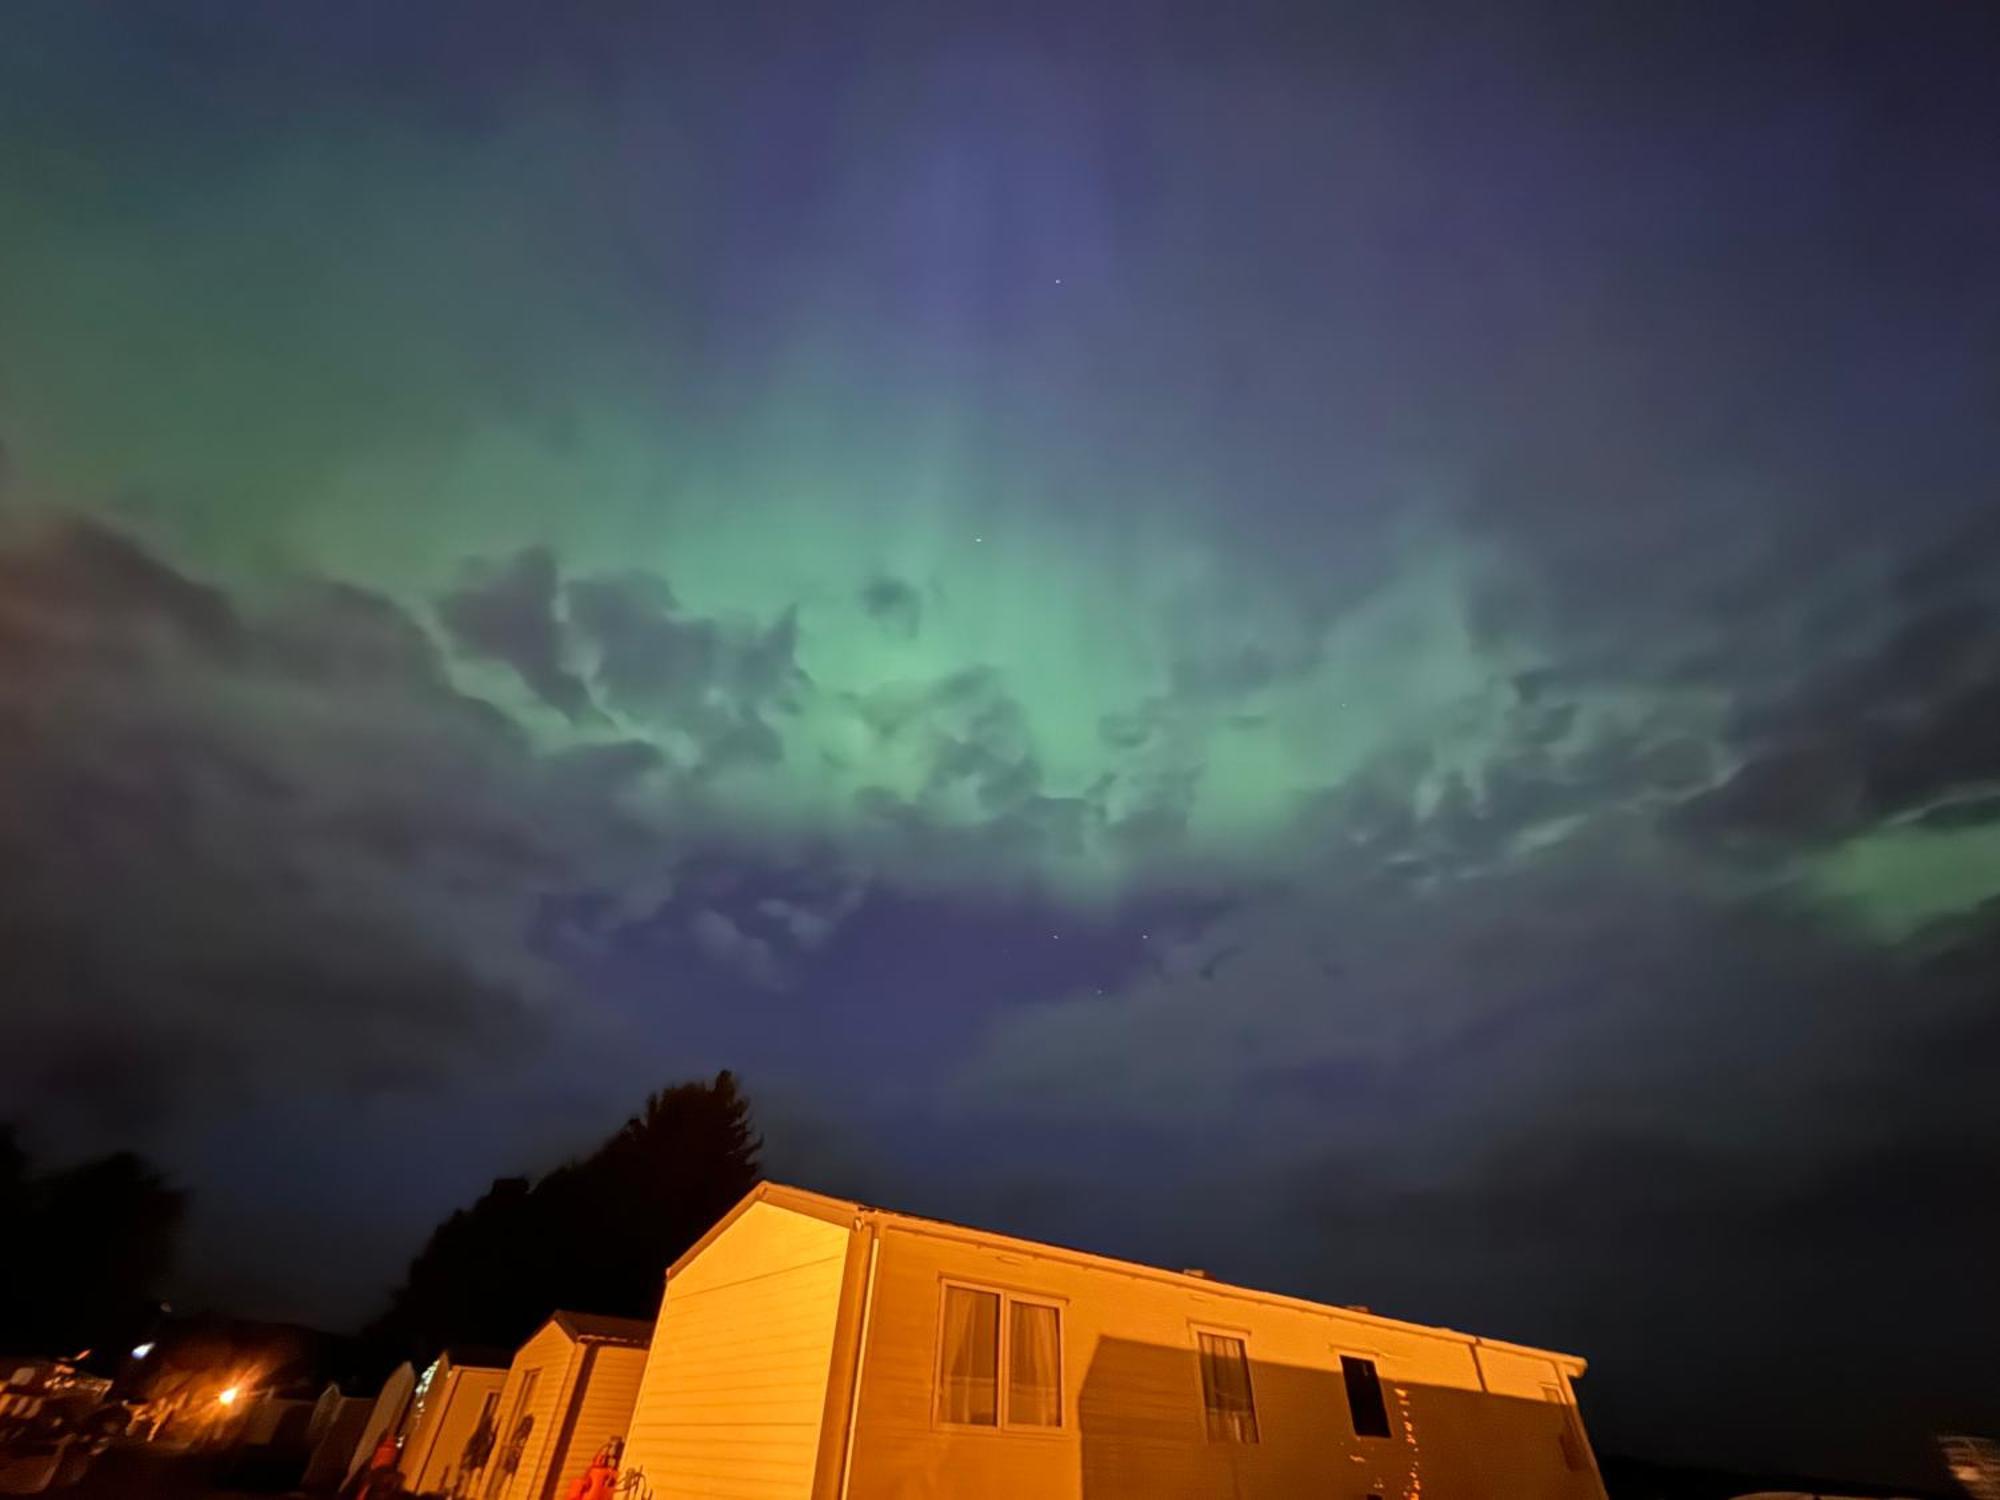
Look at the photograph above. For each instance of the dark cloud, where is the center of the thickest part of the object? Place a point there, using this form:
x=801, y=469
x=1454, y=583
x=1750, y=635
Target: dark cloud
x=86, y=589
x=719, y=918
x=1973, y=811
x=967, y=730
x=1791, y=795
x=245, y=855
x=714, y=681
x=508, y=614
x=1125, y=731
x=340, y=636
x=1146, y=812
x=1225, y=647
x=895, y=605
x=1904, y=724
x=750, y=957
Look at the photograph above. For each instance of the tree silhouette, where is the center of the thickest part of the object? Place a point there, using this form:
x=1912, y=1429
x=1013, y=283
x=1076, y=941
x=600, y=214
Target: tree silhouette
x=595, y=1234
x=83, y=1249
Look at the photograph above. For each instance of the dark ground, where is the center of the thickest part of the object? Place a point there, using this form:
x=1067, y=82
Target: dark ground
x=151, y=1474
x=1639, y=1479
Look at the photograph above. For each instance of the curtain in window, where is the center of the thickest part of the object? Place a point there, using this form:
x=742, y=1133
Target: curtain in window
x=970, y=1389
x=1034, y=1365
x=1225, y=1389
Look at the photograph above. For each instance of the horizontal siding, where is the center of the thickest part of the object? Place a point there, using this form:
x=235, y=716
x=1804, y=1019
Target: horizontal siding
x=553, y=1353
x=450, y=1426
x=603, y=1409
x=731, y=1399
x=420, y=1427
x=1133, y=1419
x=392, y=1404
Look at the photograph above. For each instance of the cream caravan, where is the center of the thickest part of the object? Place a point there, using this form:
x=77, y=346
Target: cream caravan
x=813, y=1349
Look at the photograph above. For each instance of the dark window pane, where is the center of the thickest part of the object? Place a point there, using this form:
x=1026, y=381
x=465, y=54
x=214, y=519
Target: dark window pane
x=1364, y=1397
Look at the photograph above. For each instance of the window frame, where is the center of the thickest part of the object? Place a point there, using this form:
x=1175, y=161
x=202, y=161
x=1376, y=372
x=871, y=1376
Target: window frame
x=1242, y=1337
x=1003, y=1360
x=1373, y=1357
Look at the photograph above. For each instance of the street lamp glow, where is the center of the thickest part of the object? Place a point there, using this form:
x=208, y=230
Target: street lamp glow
x=228, y=1394
x=140, y=1351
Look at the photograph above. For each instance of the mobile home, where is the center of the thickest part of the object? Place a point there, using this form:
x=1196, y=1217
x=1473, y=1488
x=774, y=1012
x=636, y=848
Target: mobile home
x=569, y=1389
x=817, y=1349
x=333, y=1432
x=385, y=1417
x=459, y=1391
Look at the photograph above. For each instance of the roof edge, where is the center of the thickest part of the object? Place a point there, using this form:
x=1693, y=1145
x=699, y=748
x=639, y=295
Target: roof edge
x=840, y=1211
x=609, y=1328
x=846, y=1213
x=1572, y=1365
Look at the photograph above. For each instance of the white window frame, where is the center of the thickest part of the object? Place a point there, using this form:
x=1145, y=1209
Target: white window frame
x=1242, y=1336
x=1004, y=1361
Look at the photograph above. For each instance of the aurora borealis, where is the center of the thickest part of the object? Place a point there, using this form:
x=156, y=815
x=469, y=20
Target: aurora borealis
x=1362, y=653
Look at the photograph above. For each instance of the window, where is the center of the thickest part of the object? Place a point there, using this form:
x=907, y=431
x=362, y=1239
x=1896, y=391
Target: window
x=1034, y=1364
x=1364, y=1397
x=976, y=1345
x=1225, y=1388
x=970, y=1381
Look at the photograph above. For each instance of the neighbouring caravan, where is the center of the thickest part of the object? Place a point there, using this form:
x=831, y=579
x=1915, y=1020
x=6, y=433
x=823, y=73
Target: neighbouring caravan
x=452, y=1397
x=337, y=1421
x=814, y=1348
x=384, y=1417
x=569, y=1389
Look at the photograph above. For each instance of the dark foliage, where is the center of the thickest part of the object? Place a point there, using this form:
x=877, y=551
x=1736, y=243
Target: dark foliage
x=594, y=1235
x=83, y=1250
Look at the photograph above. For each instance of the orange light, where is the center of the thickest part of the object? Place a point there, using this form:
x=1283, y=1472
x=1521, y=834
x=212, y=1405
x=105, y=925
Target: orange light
x=227, y=1395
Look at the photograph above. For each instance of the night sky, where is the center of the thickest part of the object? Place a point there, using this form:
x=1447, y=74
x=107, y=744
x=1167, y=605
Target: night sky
x=1360, y=652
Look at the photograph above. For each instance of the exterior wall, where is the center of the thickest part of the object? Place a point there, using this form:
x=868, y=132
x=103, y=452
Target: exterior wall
x=431, y=1458
x=341, y=1430
x=731, y=1400
x=385, y=1416
x=1468, y=1422
x=433, y=1394
x=555, y=1355
x=599, y=1408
